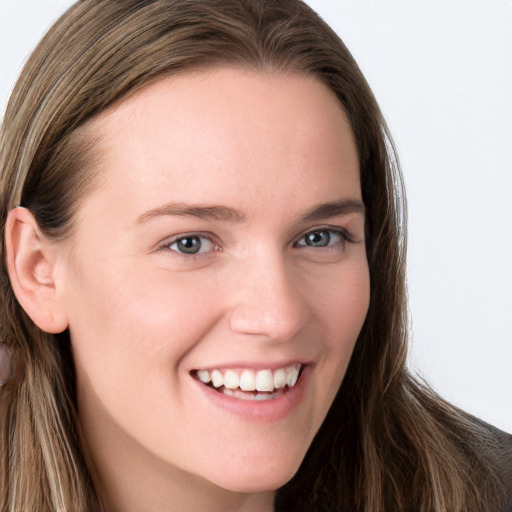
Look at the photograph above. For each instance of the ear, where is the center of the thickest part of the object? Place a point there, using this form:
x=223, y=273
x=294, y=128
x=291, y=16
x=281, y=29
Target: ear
x=31, y=264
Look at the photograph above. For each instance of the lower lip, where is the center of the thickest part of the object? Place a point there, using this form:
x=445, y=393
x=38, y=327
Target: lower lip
x=274, y=409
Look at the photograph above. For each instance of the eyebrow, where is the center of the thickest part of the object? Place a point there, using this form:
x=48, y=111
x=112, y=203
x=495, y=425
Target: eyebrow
x=227, y=214
x=335, y=209
x=214, y=212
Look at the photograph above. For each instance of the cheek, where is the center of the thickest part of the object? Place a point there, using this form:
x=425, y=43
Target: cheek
x=129, y=335
x=343, y=308
x=342, y=301
x=137, y=325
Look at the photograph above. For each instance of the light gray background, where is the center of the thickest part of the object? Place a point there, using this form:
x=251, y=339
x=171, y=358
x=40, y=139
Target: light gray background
x=442, y=73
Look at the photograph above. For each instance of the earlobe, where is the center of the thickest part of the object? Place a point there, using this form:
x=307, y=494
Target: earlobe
x=31, y=263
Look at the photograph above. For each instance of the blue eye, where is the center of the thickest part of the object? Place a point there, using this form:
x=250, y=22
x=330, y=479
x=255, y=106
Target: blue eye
x=322, y=238
x=192, y=244
x=318, y=239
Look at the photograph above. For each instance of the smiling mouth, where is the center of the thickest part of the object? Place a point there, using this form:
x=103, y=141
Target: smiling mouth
x=249, y=384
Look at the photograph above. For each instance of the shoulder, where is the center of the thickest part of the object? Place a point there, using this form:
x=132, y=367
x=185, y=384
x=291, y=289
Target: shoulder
x=489, y=453
x=505, y=459
x=502, y=449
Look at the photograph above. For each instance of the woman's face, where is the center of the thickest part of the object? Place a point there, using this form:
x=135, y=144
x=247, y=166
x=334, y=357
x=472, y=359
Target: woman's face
x=225, y=242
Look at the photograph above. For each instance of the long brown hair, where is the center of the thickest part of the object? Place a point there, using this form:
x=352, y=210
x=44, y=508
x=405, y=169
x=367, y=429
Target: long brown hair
x=389, y=443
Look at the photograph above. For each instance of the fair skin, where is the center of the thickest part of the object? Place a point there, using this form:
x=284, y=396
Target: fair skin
x=226, y=234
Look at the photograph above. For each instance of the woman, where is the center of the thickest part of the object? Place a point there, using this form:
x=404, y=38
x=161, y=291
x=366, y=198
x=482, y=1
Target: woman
x=203, y=277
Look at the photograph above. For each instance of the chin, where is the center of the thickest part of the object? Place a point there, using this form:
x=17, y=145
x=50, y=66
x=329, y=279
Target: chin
x=255, y=480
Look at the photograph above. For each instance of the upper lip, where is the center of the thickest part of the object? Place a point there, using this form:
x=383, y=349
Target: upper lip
x=257, y=365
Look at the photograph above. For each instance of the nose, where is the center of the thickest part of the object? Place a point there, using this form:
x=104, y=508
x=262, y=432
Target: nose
x=268, y=301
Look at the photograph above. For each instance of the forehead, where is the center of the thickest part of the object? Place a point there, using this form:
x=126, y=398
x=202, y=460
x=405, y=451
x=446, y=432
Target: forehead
x=231, y=133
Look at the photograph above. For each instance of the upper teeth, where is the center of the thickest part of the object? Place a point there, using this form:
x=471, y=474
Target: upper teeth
x=251, y=380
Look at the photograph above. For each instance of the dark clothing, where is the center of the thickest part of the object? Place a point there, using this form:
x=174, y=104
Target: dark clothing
x=505, y=460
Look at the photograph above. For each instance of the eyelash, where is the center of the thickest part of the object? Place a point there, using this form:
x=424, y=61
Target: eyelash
x=202, y=237
x=345, y=237
x=343, y=234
